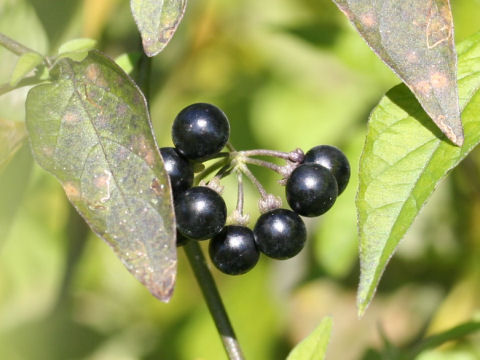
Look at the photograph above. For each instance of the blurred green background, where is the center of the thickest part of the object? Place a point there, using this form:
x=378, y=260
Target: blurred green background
x=288, y=74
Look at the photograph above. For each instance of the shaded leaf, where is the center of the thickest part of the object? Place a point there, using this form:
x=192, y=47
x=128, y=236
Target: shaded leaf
x=415, y=38
x=91, y=129
x=157, y=21
x=404, y=159
x=83, y=44
x=314, y=346
x=26, y=63
x=12, y=136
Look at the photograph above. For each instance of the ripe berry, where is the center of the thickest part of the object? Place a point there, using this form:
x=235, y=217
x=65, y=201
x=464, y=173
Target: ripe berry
x=334, y=160
x=200, y=213
x=200, y=130
x=233, y=251
x=178, y=169
x=311, y=190
x=280, y=233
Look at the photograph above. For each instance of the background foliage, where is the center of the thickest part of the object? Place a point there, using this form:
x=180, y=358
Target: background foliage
x=288, y=74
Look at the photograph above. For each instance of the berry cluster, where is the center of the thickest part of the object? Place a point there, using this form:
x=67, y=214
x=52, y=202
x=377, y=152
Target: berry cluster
x=312, y=183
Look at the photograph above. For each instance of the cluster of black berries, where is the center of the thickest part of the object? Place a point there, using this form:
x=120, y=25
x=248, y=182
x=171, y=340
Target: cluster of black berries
x=313, y=181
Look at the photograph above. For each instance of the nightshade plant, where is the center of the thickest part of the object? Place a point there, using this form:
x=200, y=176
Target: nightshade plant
x=89, y=125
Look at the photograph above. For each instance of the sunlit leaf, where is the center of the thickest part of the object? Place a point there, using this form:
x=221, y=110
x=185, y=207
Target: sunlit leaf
x=415, y=38
x=314, y=346
x=12, y=136
x=404, y=159
x=128, y=62
x=91, y=129
x=157, y=21
x=83, y=44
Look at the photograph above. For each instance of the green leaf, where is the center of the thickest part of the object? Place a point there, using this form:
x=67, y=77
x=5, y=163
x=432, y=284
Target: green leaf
x=128, y=62
x=404, y=159
x=14, y=14
x=77, y=45
x=26, y=63
x=90, y=128
x=415, y=39
x=314, y=346
x=455, y=333
x=12, y=137
x=157, y=21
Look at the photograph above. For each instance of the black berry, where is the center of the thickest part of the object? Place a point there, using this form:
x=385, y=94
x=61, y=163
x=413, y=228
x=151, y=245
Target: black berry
x=178, y=169
x=200, y=130
x=200, y=213
x=334, y=160
x=311, y=190
x=280, y=233
x=233, y=250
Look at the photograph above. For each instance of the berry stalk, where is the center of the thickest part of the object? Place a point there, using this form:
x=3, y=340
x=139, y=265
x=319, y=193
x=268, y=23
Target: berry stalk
x=213, y=300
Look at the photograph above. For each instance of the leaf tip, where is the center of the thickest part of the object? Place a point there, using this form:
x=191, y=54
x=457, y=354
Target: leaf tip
x=453, y=132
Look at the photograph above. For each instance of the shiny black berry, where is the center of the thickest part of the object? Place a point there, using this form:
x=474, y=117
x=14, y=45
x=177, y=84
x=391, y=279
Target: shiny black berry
x=280, y=233
x=200, y=213
x=200, y=130
x=334, y=160
x=311, y=190
x=178, y=169
x=233, y=251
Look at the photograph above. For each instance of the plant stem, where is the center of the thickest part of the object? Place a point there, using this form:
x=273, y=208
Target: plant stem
x=244, y=169
x=264, y=152
x=266, y=164
x=213, y=300
x=13, y=46
x=144, y=75
x=210, y=169
x=241, y=195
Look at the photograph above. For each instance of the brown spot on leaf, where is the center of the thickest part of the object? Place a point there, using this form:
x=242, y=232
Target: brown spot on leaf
x=71, y=118
x=439, y=26
x=423, y=87
x=438, y=80
x=71, y=190
x=157, y=188
x=94, y=74
x=368, y=19
x=412, y=57
x=47, y=150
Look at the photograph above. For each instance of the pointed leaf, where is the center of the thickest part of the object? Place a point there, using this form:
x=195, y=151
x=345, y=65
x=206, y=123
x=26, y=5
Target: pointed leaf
x=314, y=346
x=404, y=159
x=26, y=63
x=157, y=21
x=91, y=129
x=12, y=137
x=415, y=38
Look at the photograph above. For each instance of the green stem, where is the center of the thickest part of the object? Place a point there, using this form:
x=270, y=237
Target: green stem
x=19, y=49
x=144, y=75
x=13, y=46
x=213, y=300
